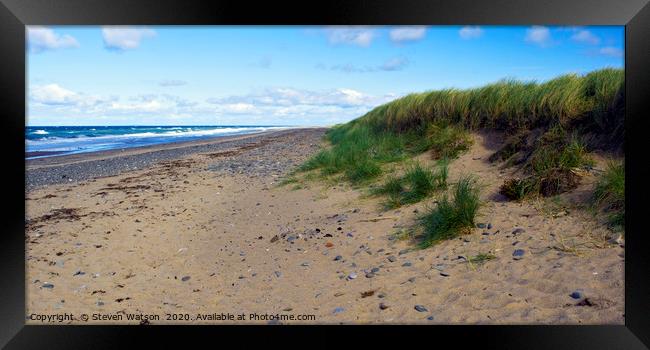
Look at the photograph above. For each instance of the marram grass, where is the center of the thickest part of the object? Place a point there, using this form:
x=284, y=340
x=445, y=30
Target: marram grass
x=546, y=124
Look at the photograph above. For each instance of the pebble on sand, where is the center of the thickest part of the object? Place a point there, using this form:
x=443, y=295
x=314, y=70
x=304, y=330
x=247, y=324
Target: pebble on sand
x=576, y=294
x=518, y=254
x=420, y=308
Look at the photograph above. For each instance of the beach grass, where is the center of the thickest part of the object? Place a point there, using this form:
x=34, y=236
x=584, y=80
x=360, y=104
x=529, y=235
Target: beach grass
x=481, y=258
x=417, y=183
x=438, y=121
x=609, y=193
x=550, y=128
x=452, y=216
x=551, y=164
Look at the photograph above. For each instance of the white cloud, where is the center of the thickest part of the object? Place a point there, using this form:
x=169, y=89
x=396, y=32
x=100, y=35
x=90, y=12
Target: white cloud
x=611, y=51
x=167, y=83
x=539, y=35
x=470, y=32
x=42, y=38
x=282, y=105
x=53, y=94
x=125, y=38
x=287, y=104
x=393, y=64
x=238, y=108
x=354, y=35
x=407, y=33
x=585, y=36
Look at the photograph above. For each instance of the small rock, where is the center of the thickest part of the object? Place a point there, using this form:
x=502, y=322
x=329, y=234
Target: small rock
x=374, y=270
x=412, y=279
x=47, y=285
x=305, y=264
x=278, y=274
x=185, y=278
x=481, y=225
x=383, y=306
x=518, y=230
x=352, y=276
x=274, y=239
x=392, y=258
x=404, y=251
x=430, y=318
x=420, y=308
x=79, y=273
x=381, y=295
x=444, y=274
x=518, y=254
x=407, y=264
x=489, y=226
x=370, y=275
x=439, y=267
x=338, y=310
x=337, y=258
x=576, y=295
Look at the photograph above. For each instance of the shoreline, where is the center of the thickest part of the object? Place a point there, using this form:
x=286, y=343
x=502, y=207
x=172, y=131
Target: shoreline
x=84, y=166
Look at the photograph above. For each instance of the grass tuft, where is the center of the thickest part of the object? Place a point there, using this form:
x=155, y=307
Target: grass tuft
x=452, y=216
x=481, y=258
x=609, y=193
x=417, y=183
x=550, y=165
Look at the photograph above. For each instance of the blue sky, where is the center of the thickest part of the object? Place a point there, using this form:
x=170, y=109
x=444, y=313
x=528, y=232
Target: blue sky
x=303, y=75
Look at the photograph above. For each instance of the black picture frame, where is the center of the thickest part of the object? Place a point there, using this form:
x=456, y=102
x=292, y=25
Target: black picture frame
x=633, y=14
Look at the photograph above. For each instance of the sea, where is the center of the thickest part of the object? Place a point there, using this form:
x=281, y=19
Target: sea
x=51, y=141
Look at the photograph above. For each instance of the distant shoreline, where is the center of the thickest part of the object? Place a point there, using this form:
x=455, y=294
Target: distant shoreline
x=76, y=167
x=55, y=141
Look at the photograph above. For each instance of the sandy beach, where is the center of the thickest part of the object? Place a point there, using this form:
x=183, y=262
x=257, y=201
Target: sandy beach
x=174, y=231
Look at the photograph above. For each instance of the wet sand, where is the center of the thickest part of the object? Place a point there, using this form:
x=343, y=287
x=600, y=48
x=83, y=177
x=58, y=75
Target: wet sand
x=211, y=231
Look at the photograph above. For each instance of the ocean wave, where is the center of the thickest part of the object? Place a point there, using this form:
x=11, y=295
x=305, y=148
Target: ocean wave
x=172, y=134
x=40, y=132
